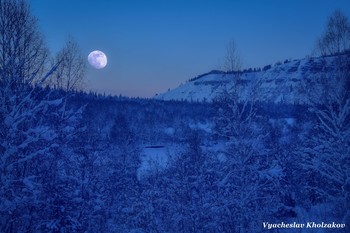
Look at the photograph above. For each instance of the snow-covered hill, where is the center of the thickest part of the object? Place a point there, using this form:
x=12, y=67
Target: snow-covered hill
x=281, y=83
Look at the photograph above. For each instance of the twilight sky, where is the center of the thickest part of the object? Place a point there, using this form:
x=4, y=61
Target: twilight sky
x=153, y=45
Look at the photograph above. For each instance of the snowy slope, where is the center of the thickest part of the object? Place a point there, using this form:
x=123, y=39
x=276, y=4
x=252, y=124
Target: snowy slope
x=206, y=87
x=282, y=83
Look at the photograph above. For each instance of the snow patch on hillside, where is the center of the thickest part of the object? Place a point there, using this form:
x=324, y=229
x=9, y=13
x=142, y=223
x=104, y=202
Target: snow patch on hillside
x=282, y=83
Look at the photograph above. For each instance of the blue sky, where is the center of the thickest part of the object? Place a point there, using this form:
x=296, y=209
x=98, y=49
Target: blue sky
x=154, y=45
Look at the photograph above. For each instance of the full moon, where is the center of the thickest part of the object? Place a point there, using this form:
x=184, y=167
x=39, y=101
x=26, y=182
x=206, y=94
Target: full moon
x=97, y=59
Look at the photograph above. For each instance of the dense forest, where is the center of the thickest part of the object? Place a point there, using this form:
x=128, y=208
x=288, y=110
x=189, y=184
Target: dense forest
x=71, y=160
x=71, y=165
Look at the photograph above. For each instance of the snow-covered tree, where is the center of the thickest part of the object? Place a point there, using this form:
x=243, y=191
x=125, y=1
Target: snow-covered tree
x=327, y=152
x=26, y=141
x=25, y=133
x=33, y=119
x=182, y=198
x=251, y=174
x=236, y=108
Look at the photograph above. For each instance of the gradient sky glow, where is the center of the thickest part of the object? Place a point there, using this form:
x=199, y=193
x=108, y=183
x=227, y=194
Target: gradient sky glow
x=153, y=45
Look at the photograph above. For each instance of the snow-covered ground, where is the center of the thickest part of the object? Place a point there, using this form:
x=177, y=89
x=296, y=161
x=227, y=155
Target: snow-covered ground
x=156, y=158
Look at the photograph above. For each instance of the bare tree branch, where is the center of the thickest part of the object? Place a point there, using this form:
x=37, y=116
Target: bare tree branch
x=336, y=38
